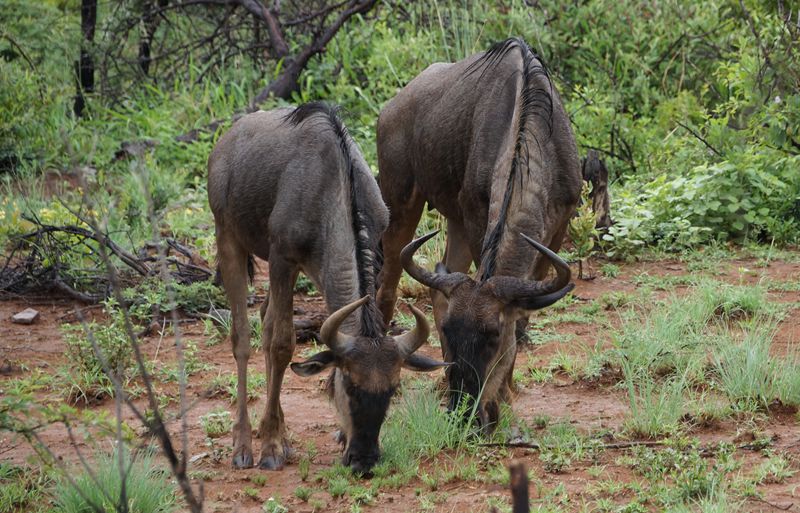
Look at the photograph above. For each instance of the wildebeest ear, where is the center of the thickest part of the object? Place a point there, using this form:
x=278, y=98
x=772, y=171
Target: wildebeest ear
x=314, y=365
x=421, y=363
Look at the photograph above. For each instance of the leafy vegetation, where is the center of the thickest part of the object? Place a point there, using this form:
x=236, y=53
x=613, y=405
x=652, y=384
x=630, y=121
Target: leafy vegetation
x=694, y=107
x=146, y=488
x=91, y=350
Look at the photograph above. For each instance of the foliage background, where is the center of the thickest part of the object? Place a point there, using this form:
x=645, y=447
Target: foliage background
x=695, y=107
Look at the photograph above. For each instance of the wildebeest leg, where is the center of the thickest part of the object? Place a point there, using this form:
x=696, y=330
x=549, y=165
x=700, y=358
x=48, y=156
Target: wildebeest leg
x=404, y=219
x=233, y=266
x=278, y=339
x=262, y=311
x=539, y=273
x=457, y=258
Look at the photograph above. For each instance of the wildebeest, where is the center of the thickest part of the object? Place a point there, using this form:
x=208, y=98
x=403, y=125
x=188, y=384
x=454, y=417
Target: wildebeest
x=486, y=142
x=291, y=187
x=595, y=172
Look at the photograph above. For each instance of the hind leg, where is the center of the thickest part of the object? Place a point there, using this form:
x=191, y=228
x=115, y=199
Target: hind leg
x=233, y=269
x=278, y=339
x=402, y=224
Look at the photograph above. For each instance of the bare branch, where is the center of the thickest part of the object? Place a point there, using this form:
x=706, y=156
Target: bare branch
x=701, y=139
x=286, y=83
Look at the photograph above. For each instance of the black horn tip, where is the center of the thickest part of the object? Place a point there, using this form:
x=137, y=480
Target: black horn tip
x=546, y=251
x=425, y=238
x=536, y=244
x=408, y=252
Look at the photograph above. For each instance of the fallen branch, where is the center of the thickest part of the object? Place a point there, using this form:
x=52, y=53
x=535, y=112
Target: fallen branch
x=772, y=504
x=708, y=449
x=45, y=259
x=609, y=446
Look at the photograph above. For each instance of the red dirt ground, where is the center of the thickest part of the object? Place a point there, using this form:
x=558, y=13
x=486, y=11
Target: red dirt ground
x=589, y=406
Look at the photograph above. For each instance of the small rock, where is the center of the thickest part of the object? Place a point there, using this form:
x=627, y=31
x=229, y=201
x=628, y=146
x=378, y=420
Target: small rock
x=27, y=316
x=198, y=457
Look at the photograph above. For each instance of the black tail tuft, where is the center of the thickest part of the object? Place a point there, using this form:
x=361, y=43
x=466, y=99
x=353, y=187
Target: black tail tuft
x=251, y=272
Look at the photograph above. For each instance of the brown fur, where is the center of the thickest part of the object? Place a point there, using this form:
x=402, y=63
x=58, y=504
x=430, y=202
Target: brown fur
x=486, y=142
x=291, y=187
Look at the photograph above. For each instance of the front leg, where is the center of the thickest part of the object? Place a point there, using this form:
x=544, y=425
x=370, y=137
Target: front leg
x=278, y=339
x=457, y=258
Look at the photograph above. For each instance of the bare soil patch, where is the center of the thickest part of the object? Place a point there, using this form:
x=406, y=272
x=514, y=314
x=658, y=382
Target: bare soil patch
x=589, y=406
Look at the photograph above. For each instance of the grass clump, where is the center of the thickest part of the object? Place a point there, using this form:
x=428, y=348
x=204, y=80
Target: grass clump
x=20, y=488
x=656, y=408
x=561, y=444
x=749, y=376
x=147, y=487
x=681, y=475
x=274, y=505
x=419, y=427
x=84, y=380
x=610, y=270
x=303, y=493
x=216, y=423
x=733, y=302
x=225, y=385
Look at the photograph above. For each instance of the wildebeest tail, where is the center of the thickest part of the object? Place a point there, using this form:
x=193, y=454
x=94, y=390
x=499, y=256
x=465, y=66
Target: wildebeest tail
x=535, y=102
x=367, y=253
x=251, y=272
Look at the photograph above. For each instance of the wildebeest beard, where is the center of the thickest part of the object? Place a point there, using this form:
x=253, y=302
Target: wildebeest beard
x=367, y=412
x=471, y=349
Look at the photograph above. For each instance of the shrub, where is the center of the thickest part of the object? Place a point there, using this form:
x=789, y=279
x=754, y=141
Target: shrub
x=84, y=376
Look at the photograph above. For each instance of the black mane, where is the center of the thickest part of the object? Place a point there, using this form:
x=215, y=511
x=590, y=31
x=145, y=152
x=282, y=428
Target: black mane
x=367, y=254
x=536, y=101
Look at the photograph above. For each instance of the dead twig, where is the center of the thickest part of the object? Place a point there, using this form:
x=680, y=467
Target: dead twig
x=701, y=139
x=786, y=507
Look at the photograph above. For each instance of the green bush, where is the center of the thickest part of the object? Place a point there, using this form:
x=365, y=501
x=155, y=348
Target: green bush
x=84, y=379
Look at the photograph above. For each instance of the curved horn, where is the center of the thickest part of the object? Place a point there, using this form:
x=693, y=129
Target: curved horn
x=532, y=295
x=563, y=274
x=411, y=341
x=329, y=332
x=444, y=283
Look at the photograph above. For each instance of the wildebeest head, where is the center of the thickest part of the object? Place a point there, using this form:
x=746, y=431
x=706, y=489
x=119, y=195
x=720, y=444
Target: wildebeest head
x=596, y=173
x=479, y=323
x=366, y=375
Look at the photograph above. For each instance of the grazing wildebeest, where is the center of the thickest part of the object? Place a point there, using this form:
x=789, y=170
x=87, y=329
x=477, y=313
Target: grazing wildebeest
x=291, y=187
x=595, y=172
x=486, y=142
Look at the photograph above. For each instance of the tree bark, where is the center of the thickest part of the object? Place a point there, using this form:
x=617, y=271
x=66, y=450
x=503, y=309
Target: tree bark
x=287, y=81
x=85, y=66
x=150, y=22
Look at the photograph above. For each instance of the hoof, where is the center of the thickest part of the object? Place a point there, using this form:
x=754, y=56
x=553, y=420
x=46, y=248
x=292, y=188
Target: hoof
x=274, y=456
x=243, y=460
x=272, y=463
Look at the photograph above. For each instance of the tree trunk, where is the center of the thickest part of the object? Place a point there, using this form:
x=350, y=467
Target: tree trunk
x=150, y=24
x=85, y=66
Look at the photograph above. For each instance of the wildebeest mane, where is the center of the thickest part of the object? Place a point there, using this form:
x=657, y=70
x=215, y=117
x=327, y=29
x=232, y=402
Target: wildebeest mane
x=364, y=229
x=534, y=102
